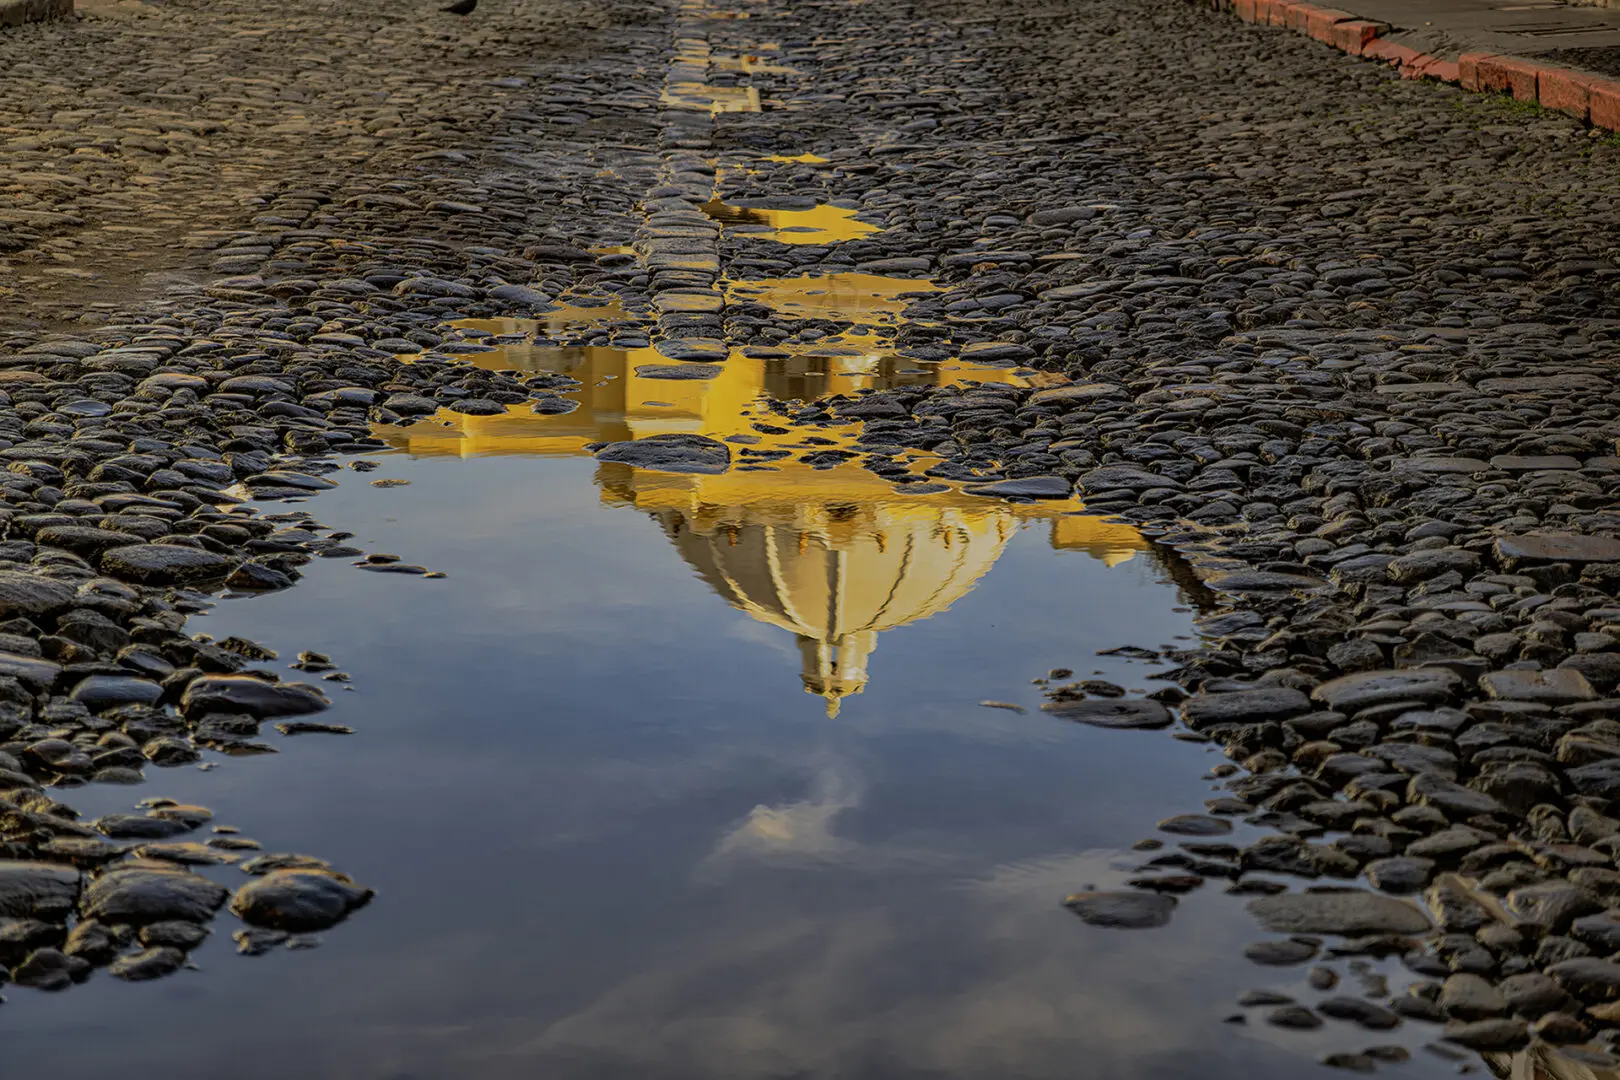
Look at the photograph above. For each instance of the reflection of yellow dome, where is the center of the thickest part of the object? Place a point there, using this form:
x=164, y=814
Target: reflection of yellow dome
x=836, y=555
x=821, y=225
x=617, y=403
x=833, y=556
x=836, y=574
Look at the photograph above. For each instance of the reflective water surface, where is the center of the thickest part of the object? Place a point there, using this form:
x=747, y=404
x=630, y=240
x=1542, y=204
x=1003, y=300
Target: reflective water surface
x=611, y=832
x=692, y=776
x=865, y=299
x=678, y=776
x=715, y=100
x=818, y=225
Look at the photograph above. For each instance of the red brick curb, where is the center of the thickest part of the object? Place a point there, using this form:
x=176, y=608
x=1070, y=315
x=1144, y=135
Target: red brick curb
x=1586, y=97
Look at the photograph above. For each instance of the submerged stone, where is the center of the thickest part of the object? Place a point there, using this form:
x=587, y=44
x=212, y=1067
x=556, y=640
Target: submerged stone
x=1122, y=910
x=1027, y=487
x=1347, y=912
x=695, y=349
x=1281, y=953
x=1195, y=825
x=50, y=969
x=140, y=827
x=1112, y=713
x=143, y=895
x=678, y=371
x=671, y=453
x=246, y=694
x=299, y=900
x=152, y=963
x=1359, y=1011
x=174, y=934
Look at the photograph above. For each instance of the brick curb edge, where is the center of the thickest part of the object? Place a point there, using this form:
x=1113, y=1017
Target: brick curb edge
x=1586, y=97
x=17, y=12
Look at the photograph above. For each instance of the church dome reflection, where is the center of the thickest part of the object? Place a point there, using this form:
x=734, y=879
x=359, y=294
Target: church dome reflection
x=833, y=556
x=836, y=575
x=837, y=556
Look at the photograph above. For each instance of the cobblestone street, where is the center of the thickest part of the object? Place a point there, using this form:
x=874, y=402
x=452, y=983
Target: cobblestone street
x=1338, y=347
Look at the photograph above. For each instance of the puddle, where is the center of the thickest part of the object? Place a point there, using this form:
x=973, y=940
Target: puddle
x=614, y=831
x=513, y=336
x=821, y=225
x=751, y=64
x=800, y=159
x=690, y=776
x=615, y=402
x=711, y=99
x=567, y=319
x=865, y=299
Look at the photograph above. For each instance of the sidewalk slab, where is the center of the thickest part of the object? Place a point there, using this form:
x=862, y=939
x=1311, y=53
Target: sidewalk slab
x=17, y=12
x=1560, y=56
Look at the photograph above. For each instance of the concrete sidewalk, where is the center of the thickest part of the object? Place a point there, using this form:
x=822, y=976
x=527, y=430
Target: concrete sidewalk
x=1561, y=56
x=1529, y=28
x=17, y=12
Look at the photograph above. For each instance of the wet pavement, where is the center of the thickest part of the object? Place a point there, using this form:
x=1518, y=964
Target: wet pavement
x=749, y=490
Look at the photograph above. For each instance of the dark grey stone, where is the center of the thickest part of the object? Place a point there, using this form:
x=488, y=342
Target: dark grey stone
x=671, y=453
x=1122, y=910
x=300, y=901
x=1347, y=912
x=246, y=694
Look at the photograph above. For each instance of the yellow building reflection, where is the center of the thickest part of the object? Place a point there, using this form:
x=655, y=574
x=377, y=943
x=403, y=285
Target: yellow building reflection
x=795, y=159
x=820, y=225
x=837, y=556
x=833, y=556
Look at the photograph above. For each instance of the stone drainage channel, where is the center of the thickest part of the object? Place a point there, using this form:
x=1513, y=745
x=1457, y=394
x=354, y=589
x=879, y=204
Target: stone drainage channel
x=936, y=831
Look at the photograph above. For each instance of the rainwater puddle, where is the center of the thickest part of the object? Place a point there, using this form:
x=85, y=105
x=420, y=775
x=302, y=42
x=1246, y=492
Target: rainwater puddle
x=711, y=99
x=612, y=826
x=687, y=776
x=751, y=64
x=635, y=393
x=865, y=299
x=820, y=225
